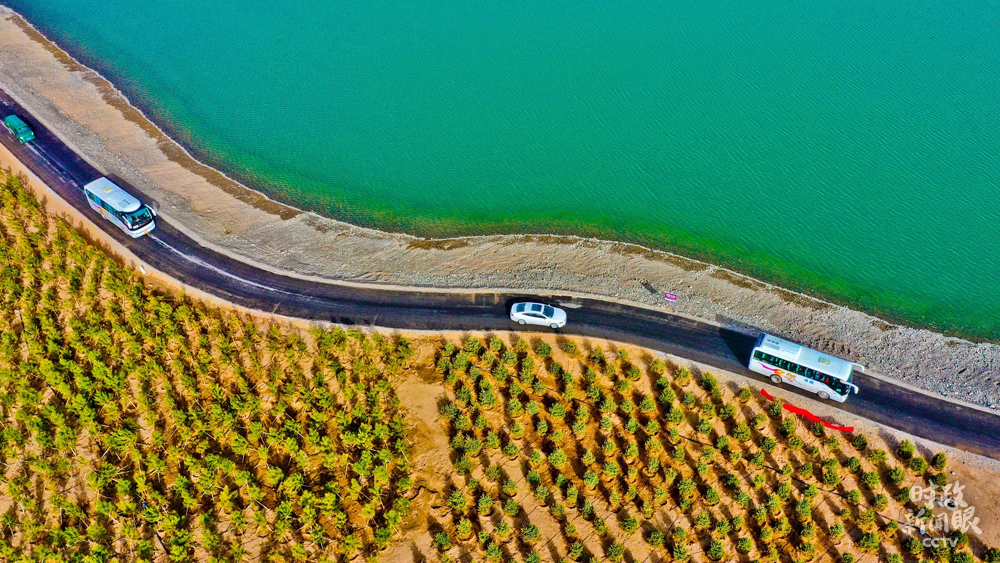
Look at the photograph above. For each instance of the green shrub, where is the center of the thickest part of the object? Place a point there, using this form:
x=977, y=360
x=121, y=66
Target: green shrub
x=686, y=488
x=473, y=345
x=542, y=494
x=558, y=458
x=860, y=442
x=852, y=464
x=667, y=397
x=939, y=461
x=871, y=480
x=712, y=497
x=876, y=456
x=903, y=495
x=775, y=409
x=458, y=501
x=682, y=376
x=485, y=504
x=744, y=545
x=805, y=470
x=630, y=524
x=768, y=444
x=787, y=426
x=442, y=541
x=906, y=449
x=511, y=450
x=600, y=526
x=704, y=426
x=741, y=432
x=913, y=545
x=818, y=429
x=896, y=475
x=543, y=349
x=676, y=416
x=869, y=542
x=742, y=498
x=803, y=510
x=647, y=405
x=715, y=550
x=627, y=407
x=615, y=552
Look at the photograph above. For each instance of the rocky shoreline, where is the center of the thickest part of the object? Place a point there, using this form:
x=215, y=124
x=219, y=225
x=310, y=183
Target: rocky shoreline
x=90, y=115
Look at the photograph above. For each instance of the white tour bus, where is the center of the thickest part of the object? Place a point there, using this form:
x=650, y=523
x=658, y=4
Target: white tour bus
x=781, y=360
x=117, y=206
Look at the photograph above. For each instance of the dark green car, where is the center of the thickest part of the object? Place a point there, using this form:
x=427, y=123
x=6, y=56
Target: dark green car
x=19, y=128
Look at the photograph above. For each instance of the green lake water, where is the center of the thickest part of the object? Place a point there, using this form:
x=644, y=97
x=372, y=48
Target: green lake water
x=849, y=149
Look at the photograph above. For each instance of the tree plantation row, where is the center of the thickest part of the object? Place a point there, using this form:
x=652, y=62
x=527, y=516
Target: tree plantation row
x=603, y=459
x=139, y=426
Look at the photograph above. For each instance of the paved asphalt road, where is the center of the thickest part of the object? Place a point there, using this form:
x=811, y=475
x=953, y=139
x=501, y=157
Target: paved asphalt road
x=173, y=253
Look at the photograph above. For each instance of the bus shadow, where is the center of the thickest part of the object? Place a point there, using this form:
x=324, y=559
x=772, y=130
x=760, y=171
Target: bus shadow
x=739, y=343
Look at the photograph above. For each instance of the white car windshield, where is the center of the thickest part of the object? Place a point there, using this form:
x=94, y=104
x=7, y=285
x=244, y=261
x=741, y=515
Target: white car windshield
x=139, y=218
x=548, y=311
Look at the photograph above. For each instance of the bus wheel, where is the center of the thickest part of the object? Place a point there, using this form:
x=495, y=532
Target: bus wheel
x=775, y=379
x=823, y=395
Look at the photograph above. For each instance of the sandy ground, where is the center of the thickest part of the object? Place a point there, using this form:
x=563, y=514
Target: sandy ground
x=89, y=114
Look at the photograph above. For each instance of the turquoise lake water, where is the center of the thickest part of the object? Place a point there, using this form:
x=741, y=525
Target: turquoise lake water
x=850, y=149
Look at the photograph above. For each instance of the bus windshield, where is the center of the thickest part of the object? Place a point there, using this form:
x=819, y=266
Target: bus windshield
x=138, y=218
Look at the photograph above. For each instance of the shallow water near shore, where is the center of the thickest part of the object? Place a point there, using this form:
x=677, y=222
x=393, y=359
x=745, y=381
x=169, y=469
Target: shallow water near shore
x=850, y=150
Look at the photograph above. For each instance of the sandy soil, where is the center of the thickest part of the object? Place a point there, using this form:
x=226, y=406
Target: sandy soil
x=89, y=114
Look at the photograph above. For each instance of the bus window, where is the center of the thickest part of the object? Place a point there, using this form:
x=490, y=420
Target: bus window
x=801, y=370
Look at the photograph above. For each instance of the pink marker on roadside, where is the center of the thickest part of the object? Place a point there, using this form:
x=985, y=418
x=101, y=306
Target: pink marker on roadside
x=670, y=297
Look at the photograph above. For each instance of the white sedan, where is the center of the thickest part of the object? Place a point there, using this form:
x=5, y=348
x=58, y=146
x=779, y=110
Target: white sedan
x=538, y=314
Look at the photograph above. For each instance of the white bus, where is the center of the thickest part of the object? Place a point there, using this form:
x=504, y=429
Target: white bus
x=117, y=206
x=785, y=361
